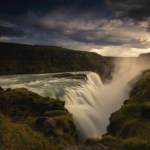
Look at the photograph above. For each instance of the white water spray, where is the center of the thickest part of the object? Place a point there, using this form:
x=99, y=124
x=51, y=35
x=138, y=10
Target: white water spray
x=92, y=104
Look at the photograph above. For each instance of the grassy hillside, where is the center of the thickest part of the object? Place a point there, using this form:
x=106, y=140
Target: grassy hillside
x=130, y=126
x=19, y=110
x=25, y=59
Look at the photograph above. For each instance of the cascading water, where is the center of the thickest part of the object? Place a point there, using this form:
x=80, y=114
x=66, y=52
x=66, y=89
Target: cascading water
x=90, y=102
x=82, y=103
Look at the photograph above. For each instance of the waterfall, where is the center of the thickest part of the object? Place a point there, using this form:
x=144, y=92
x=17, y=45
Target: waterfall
x=82, y=102
x=92, y=103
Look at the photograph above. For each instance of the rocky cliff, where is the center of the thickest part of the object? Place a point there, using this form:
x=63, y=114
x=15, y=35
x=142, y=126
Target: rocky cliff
x=26, y=59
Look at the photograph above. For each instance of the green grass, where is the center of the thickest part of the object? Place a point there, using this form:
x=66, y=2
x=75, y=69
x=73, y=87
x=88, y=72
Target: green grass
x=19, y=109
x=20, y=136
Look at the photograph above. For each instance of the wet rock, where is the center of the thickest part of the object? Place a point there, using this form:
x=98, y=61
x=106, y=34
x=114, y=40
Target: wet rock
x=74, y=76
x=79, y=77
x=49, y=122
x=63, y=75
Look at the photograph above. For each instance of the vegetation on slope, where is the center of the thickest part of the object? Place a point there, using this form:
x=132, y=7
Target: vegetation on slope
x=25, y=59
x=19, y=110
x=129, y=127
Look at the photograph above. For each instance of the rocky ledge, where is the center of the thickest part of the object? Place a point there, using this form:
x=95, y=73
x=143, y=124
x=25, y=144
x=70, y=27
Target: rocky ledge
x=70, y=75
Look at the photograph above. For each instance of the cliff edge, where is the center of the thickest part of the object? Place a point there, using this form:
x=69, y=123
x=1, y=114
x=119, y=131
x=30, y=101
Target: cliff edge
x=29, y=59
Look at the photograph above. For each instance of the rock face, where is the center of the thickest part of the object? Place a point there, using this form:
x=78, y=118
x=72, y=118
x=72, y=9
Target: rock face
x=26, y=59
x=47, y=124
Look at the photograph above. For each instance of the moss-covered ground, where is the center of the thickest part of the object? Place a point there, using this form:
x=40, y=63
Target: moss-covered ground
x=19, y=109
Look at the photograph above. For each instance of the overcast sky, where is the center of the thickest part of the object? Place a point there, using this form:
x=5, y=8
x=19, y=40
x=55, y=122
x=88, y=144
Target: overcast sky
x=108, y=27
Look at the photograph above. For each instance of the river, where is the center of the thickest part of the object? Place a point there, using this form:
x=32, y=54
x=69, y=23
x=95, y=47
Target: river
x=89, y=101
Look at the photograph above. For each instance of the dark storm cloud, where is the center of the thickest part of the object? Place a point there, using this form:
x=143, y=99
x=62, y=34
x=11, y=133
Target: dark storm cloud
x=52, y=19
x=20, y=7
x=138, y=10
x=108, y=39
x=10, y=31
x=76, y=24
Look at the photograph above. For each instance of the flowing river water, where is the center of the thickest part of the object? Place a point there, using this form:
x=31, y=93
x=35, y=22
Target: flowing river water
x=89, y=101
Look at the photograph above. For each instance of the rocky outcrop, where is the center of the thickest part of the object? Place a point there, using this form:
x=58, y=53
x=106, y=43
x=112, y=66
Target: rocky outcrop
x=47, y=124
x=30, y=121
x=73, y=76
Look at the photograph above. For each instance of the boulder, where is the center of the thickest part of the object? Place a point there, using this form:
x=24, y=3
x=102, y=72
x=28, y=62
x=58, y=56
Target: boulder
x=47, y=124
x=74, y=76
x=79, y=77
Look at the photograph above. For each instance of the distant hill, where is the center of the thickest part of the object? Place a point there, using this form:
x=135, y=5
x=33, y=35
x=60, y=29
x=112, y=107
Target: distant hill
x=27, y=59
